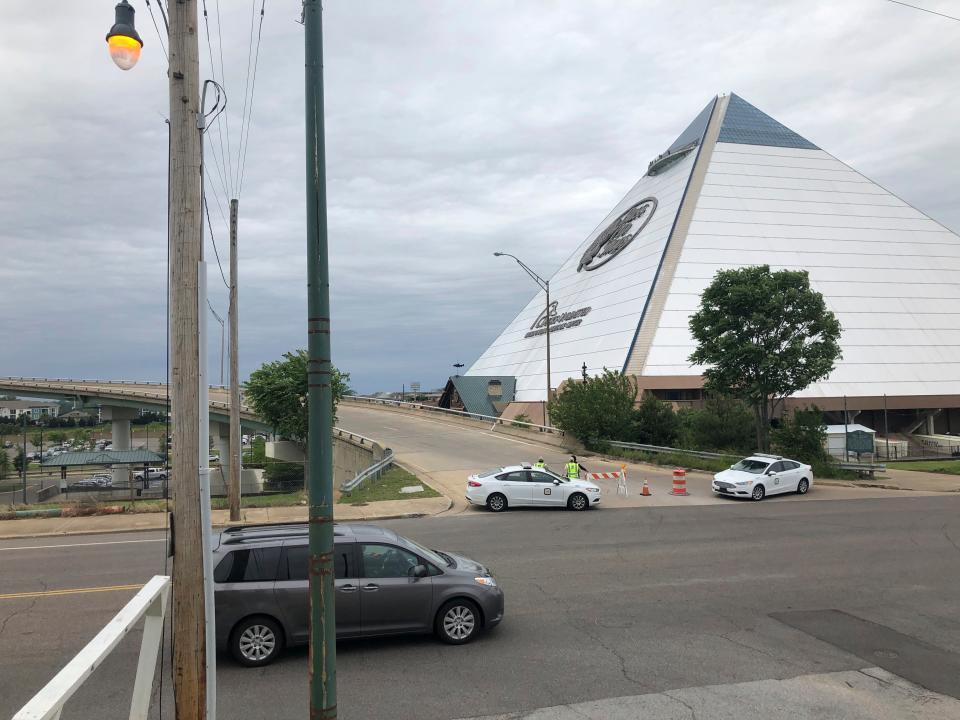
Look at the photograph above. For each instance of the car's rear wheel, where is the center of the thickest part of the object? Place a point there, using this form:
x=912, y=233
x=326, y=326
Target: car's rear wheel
x=803, y=486
x=256, y=641
x=497, y=502
x=578, y=501
x=758, y=492
x=458, y=622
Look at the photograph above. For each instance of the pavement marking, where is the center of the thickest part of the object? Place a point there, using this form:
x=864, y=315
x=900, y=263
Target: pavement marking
x=69, y=591
x=70, y=545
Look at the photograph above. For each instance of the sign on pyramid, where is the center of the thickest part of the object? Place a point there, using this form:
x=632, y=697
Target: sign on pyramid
x=738, y=188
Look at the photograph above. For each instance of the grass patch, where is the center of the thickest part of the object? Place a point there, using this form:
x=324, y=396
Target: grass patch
x=289, y=499
x=388, y=488
x=689, y=462
x=950, y=467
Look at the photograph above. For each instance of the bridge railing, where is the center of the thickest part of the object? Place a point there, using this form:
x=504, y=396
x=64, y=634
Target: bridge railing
x=366, y=400
x=150, y=604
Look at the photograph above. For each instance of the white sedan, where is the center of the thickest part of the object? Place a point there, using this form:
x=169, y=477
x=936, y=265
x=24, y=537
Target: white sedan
x=760, y=475
x=519, y=485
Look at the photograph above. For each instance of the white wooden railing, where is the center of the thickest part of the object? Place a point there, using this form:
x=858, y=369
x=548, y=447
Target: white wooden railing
x=150, y=604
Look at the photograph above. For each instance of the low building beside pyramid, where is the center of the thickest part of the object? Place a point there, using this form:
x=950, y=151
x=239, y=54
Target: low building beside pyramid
x=738, y=188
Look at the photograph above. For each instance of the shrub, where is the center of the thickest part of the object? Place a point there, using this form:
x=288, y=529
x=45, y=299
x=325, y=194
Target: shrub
x=596, y=409
x=283, y=476
x=723, y=424
x=802, y=436
x=654, y=423
x=519, y=419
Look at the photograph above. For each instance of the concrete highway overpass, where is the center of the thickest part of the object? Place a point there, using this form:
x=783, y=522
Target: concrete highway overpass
x=119, y=402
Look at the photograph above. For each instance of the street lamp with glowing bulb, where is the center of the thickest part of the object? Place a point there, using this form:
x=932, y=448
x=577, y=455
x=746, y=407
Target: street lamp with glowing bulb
x=124, y=42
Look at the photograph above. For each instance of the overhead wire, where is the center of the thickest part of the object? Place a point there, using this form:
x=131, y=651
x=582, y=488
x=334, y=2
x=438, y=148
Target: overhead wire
x=157, y=27
x=923, y=9
x=246, y=88
x=213, y=241
x=245, y=142
x=220, y=161
x=223, y=78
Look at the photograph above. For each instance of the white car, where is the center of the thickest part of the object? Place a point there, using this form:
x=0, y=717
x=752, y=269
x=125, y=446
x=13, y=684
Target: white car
x=152, y=474
x=760, y=475
x=519, y=485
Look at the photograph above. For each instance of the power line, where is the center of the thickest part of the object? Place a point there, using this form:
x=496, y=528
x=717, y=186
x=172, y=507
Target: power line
x=157, y=27
x=245, y=143
x=223, y=80
x=246, y=89
x=221, y=161
x=922, y=9
x=216, y=252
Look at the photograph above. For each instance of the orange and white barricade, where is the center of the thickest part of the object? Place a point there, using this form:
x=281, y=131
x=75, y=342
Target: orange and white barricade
x=620, y=477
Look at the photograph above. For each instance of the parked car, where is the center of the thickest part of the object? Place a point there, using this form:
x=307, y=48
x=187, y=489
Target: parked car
x=152, y=474
x=99, y=480
x=518, y=485
x=760, y=475
x=385, y=584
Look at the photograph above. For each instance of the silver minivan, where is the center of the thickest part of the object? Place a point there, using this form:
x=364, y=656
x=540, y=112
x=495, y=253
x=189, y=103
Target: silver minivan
x=385, y=584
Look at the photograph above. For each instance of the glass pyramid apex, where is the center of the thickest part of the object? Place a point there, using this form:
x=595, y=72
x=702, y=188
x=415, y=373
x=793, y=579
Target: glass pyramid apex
x=746, y=125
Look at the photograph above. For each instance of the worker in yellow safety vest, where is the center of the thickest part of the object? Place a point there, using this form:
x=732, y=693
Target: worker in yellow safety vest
x=573, y=468
x=540, y=464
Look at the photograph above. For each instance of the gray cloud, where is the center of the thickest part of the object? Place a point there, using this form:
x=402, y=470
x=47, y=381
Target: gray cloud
x=453, y=129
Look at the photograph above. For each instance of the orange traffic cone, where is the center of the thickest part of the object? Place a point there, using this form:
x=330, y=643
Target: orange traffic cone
x=646, y=489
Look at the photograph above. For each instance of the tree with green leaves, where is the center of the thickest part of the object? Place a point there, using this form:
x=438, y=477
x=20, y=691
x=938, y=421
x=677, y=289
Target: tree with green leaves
x=596, y=409
x=58, y=437
x=654, y=423
x=20, y=461
x=803, y=436
x=278, y=392
x=763, y=336
x=4, y=464
x=723, y=424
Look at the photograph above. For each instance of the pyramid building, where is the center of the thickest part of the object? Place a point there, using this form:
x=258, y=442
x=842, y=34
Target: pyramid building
x=738, y=188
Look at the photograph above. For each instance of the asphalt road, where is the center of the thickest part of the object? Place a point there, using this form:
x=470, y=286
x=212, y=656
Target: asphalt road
x=601, y=604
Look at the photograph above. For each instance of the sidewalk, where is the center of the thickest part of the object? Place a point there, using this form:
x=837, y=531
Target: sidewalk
x=134, y=522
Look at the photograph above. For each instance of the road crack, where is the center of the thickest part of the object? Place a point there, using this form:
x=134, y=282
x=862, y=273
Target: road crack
x=33, y=603
x=693, y=713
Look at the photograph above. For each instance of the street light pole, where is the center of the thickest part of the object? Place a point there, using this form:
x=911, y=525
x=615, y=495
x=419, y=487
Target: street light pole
x=545, y=286
x=323, y=633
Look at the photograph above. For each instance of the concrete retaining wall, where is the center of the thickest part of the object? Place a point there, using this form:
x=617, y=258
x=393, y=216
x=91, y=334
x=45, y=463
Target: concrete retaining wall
x=352, y=454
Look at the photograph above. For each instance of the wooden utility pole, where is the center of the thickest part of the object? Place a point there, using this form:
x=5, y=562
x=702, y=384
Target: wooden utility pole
x=186, y=252
x=233, y=489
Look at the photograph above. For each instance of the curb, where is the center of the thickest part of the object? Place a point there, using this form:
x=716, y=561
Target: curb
x=110, y=531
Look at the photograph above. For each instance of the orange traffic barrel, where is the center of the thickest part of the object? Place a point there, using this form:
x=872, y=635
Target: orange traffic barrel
x=679, y=482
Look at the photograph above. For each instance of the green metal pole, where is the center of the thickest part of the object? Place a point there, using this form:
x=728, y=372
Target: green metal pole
x=323, y=633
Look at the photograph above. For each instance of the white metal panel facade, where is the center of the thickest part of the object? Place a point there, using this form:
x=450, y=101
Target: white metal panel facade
x=889, y=273
x=615, y=292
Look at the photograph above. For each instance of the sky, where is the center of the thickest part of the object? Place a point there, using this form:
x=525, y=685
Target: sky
x=454, y=129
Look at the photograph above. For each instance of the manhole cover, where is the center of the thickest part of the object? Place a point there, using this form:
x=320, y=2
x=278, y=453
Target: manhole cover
x=887, y=654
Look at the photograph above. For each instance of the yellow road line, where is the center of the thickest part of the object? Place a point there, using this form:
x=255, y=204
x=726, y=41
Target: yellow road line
x=69, y=591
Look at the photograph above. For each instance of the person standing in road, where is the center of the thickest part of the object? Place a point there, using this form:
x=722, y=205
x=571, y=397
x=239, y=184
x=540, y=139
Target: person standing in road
x=573, y=468
x=540, y=464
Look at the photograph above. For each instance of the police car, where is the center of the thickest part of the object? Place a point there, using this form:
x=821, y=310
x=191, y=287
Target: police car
x=526, y=485
x=760, y=475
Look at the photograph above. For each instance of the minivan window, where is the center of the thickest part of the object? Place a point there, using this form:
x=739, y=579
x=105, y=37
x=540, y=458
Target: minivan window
x=296, y=560
x=248, y=565
x=387, y=561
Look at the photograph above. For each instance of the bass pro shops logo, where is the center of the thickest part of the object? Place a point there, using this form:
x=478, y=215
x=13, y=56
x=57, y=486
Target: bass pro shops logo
x=557, y=321
x=618, y=234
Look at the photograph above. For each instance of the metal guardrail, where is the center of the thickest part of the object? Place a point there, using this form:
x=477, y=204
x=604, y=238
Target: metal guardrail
x=662, y=449
x=150, y=604
x=365, y=400
x=372, y=471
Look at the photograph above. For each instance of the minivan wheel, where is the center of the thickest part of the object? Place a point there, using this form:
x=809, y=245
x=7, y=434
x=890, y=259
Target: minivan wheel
x=803, y=486
x=497, y=502
x=578, y=501
x=256, y=641
x=758, y=493
x=458, y=622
